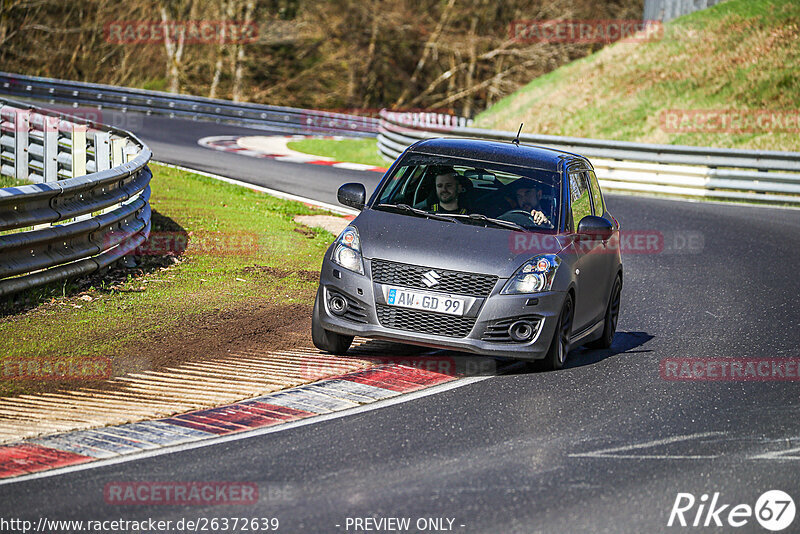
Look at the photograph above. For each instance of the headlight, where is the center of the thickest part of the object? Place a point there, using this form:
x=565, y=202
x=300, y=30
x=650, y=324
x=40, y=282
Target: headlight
x=347, y=250
x=534, y=276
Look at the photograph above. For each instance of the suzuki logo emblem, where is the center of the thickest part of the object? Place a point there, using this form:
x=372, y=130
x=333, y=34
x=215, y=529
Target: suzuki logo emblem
x=431, y=278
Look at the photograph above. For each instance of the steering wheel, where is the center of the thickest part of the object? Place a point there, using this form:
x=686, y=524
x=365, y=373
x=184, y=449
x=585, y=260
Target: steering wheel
x=511, y=215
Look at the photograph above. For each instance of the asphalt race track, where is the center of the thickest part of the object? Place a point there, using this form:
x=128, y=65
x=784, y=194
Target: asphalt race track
x=603, y=446
x=175, y=141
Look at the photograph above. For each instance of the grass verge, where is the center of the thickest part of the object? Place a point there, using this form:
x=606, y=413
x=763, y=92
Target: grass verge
x=242, y=252
x=8, y=181
x=737, y=55
x=349, y=150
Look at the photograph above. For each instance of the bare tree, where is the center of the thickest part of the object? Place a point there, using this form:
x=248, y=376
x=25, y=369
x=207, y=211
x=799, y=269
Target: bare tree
x=240, y=57
x=456, y=55
x=226, y=14
x=174, y=51
x=426, y=52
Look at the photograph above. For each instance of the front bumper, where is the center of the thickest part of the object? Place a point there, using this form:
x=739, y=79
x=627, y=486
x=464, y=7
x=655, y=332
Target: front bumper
x=491, y=313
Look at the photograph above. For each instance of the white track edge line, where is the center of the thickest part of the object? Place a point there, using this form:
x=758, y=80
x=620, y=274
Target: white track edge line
x=274, y=192
x=207, y=442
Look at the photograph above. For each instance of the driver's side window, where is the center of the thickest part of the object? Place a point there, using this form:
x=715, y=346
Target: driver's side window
x=580, y=202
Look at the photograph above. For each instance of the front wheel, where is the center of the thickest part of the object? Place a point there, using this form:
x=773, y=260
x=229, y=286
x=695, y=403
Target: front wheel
x=559, y=347
x=325, y=339
x=612, y=316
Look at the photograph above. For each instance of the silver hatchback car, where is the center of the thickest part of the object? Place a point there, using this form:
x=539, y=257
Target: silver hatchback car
x=479, y=246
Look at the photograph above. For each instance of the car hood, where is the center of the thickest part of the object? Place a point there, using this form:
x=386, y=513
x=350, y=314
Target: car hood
x=453, y=246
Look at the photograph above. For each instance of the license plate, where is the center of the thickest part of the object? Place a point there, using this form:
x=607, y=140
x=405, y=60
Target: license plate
x=420, y=300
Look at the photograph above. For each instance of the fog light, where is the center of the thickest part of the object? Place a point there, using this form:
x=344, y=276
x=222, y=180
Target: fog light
x=338, y=304
x=521, y=331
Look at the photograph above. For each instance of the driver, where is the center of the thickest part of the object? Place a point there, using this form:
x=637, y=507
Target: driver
x=448, y=189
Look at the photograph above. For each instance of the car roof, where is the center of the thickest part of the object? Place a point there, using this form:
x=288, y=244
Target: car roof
x=485, y=150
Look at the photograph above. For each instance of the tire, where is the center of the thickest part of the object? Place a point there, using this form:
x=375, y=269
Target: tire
x=325, y=339
x=559, y=347
x=612, y=316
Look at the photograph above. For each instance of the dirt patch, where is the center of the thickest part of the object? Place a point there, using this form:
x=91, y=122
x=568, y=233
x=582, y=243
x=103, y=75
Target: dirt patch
x=222, y=357
x=268, y=270
x=333, y=224
x=308, y=276
x=255, y=326
x=301, y=274
x=306, y=231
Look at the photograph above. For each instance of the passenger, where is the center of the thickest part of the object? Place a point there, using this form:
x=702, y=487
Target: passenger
x=448, y=189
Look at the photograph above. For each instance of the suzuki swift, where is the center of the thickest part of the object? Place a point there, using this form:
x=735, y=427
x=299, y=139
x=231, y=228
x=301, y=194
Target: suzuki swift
x=486, y=247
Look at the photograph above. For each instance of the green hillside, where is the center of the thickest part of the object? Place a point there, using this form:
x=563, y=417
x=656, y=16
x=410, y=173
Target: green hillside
x=741, y=55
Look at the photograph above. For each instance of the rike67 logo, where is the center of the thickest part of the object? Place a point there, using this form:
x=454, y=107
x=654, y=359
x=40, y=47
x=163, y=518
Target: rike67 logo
x=774, y=511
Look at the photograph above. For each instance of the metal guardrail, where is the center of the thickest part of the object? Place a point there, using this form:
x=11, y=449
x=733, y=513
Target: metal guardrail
x=752, y=175
x=68, y=223
x=666, y=10
x=184, y=106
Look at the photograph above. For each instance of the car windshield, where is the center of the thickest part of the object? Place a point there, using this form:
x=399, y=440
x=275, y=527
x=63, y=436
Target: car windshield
x=473, y=192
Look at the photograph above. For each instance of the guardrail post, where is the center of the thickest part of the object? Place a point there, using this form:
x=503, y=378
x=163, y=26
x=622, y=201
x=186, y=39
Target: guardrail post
x=50, y=138
x=102, y=151
x=130, y=152
x=22, y=124
x=78, y=150
x=117, y=148
x=8, y=125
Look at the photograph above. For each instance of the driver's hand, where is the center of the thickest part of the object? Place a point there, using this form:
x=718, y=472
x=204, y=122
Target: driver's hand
x=539, y=217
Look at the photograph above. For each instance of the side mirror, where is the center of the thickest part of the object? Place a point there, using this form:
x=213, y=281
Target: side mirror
x=353, y=195
x=593, y=227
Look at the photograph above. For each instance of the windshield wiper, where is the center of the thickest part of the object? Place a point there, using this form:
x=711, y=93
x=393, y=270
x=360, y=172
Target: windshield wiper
x=418, y=212
x=497, y=222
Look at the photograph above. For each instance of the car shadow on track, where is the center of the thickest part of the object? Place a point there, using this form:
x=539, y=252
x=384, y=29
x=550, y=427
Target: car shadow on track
x=440, y=361
x=624, y=343
x=461, y=364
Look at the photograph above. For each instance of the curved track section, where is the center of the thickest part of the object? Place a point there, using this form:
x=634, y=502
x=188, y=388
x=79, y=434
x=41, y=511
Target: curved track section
x=175, y=141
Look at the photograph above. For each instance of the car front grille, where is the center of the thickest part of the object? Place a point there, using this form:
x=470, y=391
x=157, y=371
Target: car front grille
x=402, y=274
x=497, y=331
x=425, y=322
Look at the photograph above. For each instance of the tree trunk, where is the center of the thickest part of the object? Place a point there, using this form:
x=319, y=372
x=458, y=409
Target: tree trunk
x=429, y=46
x=473, y=44
x=227, y=14
x=239, y=63
x=174, y=54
